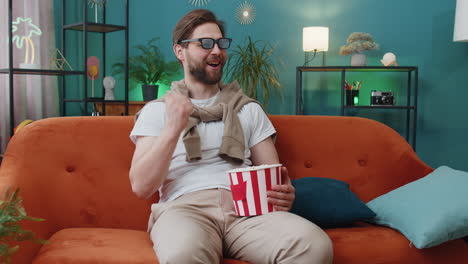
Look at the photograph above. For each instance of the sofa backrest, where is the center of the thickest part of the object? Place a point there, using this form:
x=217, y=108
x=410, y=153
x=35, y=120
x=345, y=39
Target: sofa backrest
x=73, y=171
x=370, y=156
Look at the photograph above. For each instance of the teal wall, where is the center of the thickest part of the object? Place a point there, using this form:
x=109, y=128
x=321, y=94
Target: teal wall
x=419, y=32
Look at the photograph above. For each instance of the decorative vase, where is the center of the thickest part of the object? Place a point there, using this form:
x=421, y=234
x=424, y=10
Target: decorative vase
x=150, y=92
x=358, y=60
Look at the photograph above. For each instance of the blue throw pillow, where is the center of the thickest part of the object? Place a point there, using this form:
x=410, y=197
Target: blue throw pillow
x=328, y=202
x=428, y=211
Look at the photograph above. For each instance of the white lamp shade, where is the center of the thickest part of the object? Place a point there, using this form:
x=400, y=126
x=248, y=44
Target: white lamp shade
x=315, y=39
x=460, y=32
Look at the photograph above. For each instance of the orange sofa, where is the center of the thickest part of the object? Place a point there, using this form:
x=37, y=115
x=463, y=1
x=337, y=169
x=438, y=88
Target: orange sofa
x=73, y=172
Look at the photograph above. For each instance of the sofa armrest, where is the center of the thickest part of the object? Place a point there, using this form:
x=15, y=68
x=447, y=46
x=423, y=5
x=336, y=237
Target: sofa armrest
x=42, y=229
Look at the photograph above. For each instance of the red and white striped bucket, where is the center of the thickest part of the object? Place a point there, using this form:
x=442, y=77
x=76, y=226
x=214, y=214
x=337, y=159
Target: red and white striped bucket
x=249, y=188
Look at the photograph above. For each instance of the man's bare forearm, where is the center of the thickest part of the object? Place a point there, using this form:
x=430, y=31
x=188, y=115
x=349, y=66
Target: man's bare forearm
x=153, y=155
x=150, y=163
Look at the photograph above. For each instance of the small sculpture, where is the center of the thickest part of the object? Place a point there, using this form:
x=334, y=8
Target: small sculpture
x=109, y=84
x=389, y=59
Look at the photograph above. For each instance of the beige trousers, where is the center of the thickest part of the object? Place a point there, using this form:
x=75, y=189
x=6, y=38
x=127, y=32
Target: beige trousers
x=202, y=227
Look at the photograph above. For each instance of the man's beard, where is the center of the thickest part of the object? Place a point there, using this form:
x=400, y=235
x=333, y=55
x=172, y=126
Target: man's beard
x=199, y=72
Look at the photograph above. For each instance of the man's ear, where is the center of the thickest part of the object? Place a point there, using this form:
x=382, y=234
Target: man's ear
x=179, y=52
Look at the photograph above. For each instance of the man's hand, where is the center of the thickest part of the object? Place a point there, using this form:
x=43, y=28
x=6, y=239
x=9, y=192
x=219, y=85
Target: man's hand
x=178, y=109
x=282, y=196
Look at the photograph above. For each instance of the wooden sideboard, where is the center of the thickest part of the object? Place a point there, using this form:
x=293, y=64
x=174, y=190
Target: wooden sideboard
x=118, y=108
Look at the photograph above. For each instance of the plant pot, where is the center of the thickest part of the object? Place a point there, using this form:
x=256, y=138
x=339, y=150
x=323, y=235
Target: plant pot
x=150, y=92
x=358, y=60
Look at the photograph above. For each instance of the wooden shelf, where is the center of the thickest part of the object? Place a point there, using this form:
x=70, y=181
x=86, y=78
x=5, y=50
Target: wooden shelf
x=379, y=106
x=356, y=68
x=40, y=72
x=95, y=27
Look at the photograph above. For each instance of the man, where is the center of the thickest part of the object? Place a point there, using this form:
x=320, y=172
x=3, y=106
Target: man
x=195, y=220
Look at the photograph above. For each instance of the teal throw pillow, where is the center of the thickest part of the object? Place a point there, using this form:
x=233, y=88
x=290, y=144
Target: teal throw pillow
x=428, y=211
x=328, y=202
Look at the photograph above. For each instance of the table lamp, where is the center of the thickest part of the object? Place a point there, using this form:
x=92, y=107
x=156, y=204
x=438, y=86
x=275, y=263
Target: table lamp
x=460, y=32
x=314, y=39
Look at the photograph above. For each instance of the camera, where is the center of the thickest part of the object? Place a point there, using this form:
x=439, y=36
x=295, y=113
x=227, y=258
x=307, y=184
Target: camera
x=382, y=98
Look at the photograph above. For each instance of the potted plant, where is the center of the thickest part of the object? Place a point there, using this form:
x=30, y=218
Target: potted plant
x=148, y=68
x=254, y=66
x=357, y=43
x=11, y=213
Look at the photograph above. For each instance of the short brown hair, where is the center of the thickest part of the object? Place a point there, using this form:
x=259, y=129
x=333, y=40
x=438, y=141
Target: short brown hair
x=191, y=20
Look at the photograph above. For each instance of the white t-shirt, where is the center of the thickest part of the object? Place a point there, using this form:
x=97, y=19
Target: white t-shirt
x=209, y=172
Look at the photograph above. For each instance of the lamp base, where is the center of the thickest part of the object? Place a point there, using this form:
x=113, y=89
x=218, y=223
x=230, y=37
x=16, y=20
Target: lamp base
x=307, y=60
x=29, y=66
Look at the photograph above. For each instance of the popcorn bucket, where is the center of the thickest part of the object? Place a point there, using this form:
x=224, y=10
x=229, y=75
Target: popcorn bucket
x=249, y=188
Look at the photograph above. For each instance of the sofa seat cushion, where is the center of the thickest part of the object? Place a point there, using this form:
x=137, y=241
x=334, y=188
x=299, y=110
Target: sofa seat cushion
x=97, y=245
x=382, y=245
x=100, y=245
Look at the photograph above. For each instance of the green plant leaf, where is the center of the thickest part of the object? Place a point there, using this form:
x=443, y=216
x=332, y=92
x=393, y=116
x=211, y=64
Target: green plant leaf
x=149, y=65
x=11, y=213
x=254, y=66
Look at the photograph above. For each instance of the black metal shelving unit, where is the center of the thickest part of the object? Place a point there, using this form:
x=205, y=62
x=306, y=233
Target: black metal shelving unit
x=100, y=28
x=11, y=71
x=412, y=84
x=84, y=26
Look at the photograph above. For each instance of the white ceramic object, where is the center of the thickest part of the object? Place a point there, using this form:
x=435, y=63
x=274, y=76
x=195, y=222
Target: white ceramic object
x=389, y=59
x=109, y=84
